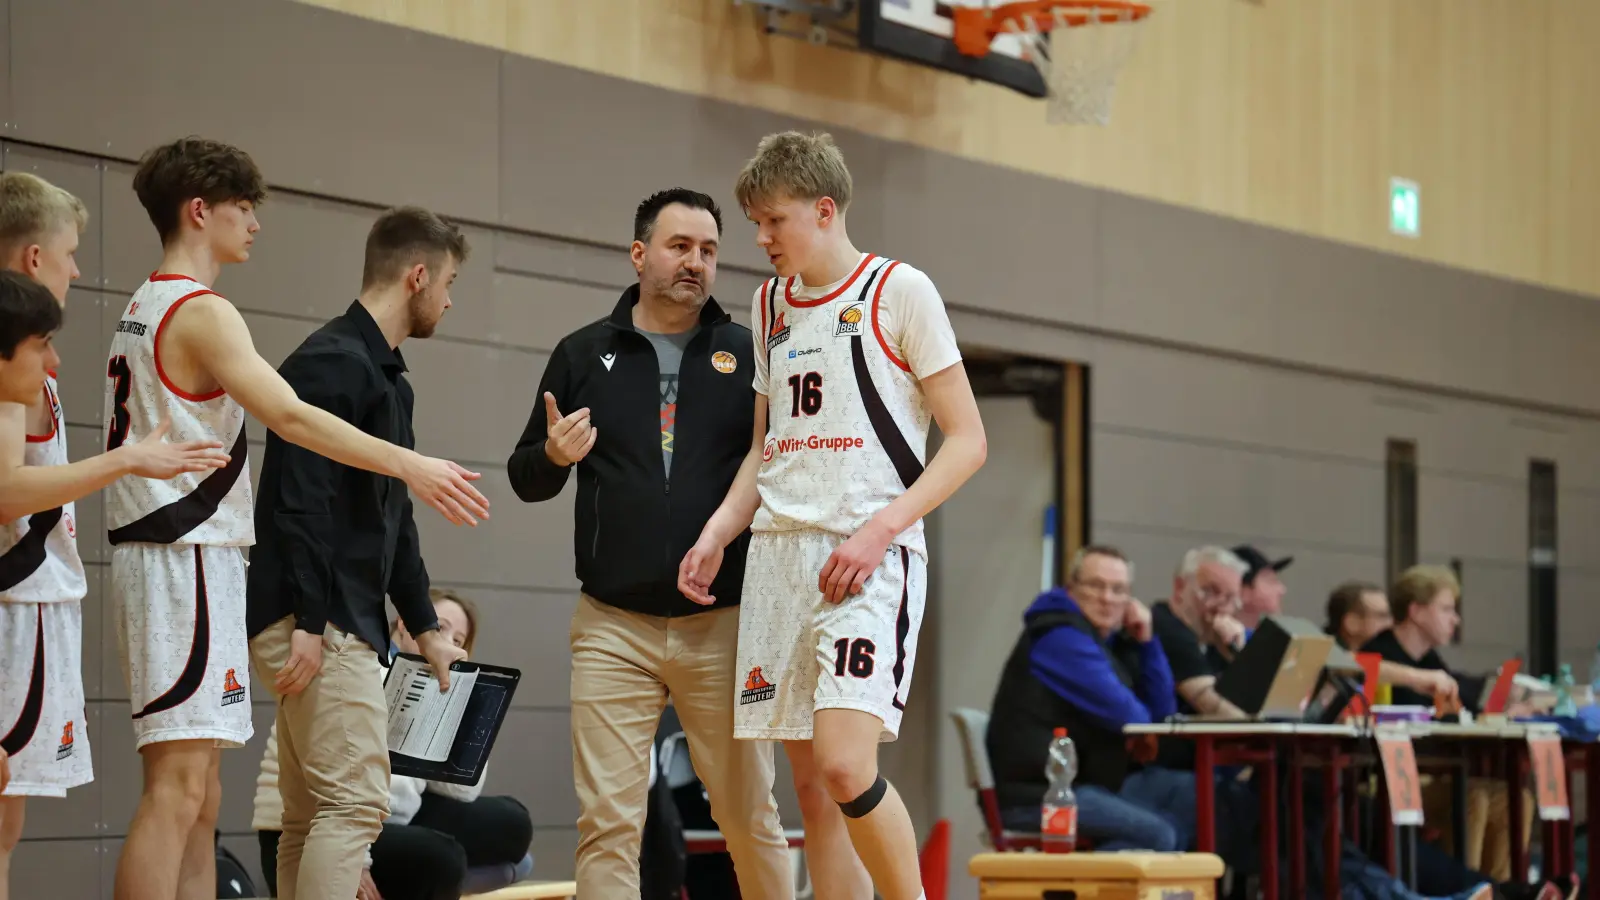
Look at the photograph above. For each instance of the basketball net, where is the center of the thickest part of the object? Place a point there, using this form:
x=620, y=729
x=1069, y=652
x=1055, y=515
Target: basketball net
x=1079, y=60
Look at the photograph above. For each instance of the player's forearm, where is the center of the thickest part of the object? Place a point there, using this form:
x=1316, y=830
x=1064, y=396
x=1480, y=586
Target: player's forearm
x=326, y=434
x=958, y=458
x=738, y=508
x=25, y=490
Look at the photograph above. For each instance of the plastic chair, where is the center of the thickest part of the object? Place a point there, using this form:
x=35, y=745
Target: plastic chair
x=971, y=724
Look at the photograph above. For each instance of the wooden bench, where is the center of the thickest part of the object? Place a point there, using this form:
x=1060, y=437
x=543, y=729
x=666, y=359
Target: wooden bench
x=1096, y=876
x=531, y=890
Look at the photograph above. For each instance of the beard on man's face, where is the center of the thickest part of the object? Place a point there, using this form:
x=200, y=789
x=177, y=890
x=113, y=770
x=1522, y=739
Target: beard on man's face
x=423, y=318
x=682, y=287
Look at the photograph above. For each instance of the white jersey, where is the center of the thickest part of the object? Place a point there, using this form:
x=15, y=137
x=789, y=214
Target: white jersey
x=211, y=507
x=847, y=421
x=39, y=560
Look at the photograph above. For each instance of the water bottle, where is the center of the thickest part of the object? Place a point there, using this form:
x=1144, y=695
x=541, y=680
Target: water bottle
x=1565, y=705
x=1058, y=832
x=1594, y=677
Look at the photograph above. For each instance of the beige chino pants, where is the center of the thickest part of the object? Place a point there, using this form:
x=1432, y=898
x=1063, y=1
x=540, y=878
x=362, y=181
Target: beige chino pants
x=333, y=763
x=624, y=665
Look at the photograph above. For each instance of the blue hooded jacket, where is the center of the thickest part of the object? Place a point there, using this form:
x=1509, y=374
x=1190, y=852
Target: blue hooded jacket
x=1076, y=667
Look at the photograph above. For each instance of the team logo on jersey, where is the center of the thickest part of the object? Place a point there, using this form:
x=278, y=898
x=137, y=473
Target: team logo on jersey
x=64, y=750
x=811, y=442
x=133, y=308
x=232, y=690
x=849, y=320
x=724, y=362
x=72, y=527
x=757, y=688
x=770, y=448
x=797, y=353
x=778, y=333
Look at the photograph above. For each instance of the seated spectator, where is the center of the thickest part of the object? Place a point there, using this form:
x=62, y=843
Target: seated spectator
x=1424, y=604
x=441, y=839
x=1201, y=617
x=1086, y=661
x=1358, y=611
x=1262, y=589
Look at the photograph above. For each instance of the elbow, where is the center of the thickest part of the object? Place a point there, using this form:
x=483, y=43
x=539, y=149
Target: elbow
x=980, y=451
x=292, y=423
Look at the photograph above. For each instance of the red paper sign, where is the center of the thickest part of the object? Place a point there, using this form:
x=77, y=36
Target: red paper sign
x=1549, y=776
x=1400, y=776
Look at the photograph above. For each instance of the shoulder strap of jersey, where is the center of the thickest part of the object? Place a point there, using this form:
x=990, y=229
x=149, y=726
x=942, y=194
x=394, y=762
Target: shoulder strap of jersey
x=769, y=318
x=893, y=440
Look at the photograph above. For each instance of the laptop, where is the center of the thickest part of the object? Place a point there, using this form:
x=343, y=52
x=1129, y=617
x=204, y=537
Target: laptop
x=1272, y=678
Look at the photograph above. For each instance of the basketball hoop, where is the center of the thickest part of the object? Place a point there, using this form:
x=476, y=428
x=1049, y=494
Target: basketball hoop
x=1078, y=46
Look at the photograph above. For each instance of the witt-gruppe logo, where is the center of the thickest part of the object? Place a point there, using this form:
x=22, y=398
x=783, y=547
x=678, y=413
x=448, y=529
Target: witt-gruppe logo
x=809, y=443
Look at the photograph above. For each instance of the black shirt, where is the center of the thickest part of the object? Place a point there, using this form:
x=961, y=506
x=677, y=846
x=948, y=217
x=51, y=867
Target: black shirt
x=1389, y=647
x=330, y=539
x=1185, y=654
x=1188, y=658
x=632, y=523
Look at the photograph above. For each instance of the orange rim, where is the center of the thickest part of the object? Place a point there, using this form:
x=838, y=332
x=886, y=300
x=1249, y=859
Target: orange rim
x=976, y=27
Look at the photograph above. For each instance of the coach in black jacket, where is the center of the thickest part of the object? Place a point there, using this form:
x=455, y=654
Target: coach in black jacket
x=653, y=406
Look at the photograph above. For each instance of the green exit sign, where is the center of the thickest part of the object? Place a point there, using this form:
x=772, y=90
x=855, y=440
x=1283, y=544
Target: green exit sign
x=1405, y=207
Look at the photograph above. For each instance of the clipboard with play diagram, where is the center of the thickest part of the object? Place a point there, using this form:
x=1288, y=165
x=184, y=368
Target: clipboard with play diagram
x=445, y=735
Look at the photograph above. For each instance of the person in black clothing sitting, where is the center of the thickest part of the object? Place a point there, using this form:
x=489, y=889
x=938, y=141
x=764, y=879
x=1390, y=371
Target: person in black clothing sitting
x=1424, y=602
x=1086, y=661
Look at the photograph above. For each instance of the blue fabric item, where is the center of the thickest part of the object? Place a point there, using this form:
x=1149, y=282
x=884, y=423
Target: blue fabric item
x=1585, y=726
x=1114, y=823
x=1077, y=669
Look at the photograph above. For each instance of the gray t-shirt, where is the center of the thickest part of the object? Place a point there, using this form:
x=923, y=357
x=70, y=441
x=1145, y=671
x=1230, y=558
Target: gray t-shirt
x=669, y=356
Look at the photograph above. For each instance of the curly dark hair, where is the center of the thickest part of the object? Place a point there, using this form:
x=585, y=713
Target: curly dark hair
x=173, y=174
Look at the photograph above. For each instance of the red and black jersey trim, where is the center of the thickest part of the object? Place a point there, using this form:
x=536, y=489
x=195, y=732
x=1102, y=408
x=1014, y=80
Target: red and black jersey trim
x=194, y=671
x=33, y=705
x=902, y=625
x=27, y=555
x=170, y=523
x=889, y=435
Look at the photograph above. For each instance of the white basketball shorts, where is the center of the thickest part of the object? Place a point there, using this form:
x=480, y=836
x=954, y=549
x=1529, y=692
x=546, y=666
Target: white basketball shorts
x=798, y=653
x=181, y=629
x=42, y=724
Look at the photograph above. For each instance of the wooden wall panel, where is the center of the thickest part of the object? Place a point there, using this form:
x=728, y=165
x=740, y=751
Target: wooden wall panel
x=1290, y=114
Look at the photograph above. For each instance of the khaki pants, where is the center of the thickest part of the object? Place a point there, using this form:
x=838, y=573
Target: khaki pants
x=623, y=667
x=333, y=763
x=1488, y=821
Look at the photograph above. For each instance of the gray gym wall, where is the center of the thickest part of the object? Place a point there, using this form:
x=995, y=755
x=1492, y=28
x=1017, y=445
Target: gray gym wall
x=1244, y=380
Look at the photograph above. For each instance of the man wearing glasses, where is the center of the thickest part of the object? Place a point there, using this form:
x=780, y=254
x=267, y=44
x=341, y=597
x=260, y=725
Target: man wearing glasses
x=1087, y=660
x=1201, y=615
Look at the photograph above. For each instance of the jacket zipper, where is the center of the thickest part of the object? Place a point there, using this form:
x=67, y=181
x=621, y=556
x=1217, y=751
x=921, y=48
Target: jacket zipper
x=594, y=550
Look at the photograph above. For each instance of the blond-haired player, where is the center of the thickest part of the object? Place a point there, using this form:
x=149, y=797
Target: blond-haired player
x=854, y=357
x=42, y=584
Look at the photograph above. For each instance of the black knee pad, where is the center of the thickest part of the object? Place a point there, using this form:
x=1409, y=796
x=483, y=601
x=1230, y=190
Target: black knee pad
x=868, y=801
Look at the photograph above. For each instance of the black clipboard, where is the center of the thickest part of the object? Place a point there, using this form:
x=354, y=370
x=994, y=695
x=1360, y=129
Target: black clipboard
x=480, y=724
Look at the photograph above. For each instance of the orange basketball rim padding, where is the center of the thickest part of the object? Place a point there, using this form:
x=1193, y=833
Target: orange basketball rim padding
x=976, y=27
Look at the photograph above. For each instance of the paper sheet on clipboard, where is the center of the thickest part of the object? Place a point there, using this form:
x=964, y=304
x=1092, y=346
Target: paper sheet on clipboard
x=423, y=721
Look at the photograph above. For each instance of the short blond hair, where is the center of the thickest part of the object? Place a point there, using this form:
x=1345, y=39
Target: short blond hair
x=1417, y=586
x=31, y=208
x=794, y=166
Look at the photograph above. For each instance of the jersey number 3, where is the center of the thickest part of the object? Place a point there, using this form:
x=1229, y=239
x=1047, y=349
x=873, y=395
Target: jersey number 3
x=119, y=373
x=807, y=392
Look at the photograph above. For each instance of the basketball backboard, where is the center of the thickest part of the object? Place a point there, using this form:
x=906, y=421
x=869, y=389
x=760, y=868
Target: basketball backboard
x=920, y=31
